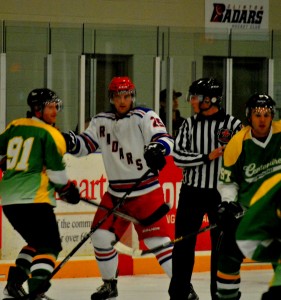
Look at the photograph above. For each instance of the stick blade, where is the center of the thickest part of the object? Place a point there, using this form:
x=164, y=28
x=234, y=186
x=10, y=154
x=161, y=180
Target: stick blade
x=123, y=249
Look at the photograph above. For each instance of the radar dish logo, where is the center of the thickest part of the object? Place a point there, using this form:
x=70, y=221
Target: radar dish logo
x=249, y=16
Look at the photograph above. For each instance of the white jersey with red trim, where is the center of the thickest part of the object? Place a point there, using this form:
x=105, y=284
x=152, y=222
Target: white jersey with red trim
x=122, y=141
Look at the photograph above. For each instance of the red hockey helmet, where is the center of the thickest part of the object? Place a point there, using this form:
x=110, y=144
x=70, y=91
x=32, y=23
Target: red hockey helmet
x=121, y=85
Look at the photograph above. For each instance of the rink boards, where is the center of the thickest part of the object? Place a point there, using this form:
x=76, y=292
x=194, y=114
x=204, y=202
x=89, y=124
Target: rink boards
x=75, y=221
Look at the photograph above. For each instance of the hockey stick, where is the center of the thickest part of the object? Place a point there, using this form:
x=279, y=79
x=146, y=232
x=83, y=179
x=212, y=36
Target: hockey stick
x=101, y=221
x=86, y=237
x=117, y=213
x=121, y=248
x=156, y=215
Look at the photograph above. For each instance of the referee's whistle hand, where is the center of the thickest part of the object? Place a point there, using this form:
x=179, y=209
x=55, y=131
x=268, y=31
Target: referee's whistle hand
x=216, y=153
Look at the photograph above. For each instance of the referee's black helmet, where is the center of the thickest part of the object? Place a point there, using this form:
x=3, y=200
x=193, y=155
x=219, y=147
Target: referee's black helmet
x=206, y=87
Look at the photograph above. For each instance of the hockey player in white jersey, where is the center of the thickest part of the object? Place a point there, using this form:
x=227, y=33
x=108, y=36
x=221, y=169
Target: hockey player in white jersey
x=132, y=140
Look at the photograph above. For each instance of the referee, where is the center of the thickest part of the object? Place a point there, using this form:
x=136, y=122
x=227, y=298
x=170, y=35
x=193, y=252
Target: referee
x=198, y=149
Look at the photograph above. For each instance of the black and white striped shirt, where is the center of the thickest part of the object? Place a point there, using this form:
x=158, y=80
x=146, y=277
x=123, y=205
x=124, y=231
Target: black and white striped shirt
x=198, y=136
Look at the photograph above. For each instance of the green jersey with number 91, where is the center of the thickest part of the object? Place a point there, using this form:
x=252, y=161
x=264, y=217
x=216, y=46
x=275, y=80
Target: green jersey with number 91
x=35, y=166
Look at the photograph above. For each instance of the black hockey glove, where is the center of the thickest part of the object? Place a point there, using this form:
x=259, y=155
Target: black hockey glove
x=70, y=140
x=276, y=200
x=3, y=163
x=154, y=156
x=227, y=215
x=69, y=193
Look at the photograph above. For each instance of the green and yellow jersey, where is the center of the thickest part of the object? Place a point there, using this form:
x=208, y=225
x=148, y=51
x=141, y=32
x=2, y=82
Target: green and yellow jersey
x=249, y=164
x=35, y=164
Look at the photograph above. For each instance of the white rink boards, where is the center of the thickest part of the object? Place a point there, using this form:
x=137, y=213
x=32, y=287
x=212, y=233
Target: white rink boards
x=152, y=287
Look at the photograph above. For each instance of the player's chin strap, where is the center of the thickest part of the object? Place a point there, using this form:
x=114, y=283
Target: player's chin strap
x=121, y=248
x=85, y=238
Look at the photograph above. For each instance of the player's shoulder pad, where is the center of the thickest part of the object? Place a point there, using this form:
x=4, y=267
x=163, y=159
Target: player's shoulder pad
x=58, y=139
x=234, y=147
x=144, y=109
x=104, y=115
x=243, y=134
x=276, y=126
x=52, y=131
x=141, y=112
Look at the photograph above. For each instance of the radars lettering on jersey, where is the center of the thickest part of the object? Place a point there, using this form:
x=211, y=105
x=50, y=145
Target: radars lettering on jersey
x=115, y=147
x=122, y=142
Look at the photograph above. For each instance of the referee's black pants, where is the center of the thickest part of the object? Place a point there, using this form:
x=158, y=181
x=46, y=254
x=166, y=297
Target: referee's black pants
x=193, y=204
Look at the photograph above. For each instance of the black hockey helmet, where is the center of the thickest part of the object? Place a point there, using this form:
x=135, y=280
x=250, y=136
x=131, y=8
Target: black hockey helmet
x=38, y=98
x=259, y=100
x=206, y=87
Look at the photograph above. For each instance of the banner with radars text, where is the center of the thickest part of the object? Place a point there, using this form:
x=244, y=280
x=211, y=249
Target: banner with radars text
x=75, y=220
x=244, y=16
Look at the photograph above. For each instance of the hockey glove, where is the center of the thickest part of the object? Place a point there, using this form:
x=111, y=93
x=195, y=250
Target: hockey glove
x=227, y=215
x=69, y=193
x=3, y=163
x=70, y=140
x=277, y=202
x=154, y=156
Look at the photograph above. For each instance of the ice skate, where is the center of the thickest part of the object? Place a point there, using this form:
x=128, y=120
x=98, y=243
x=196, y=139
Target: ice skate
x=192, y=294
x=108, y=291
x=38, y=297
x=14, y=288
x=44, y=296
x=272, y=294
x=13, y=291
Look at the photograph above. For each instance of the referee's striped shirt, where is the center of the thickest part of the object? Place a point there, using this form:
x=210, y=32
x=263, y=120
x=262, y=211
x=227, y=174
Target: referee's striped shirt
x=198, y=136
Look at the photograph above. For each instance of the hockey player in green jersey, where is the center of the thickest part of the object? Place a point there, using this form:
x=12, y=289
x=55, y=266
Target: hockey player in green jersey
x=259, y=233
x=251, y=165
x=33, y=149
